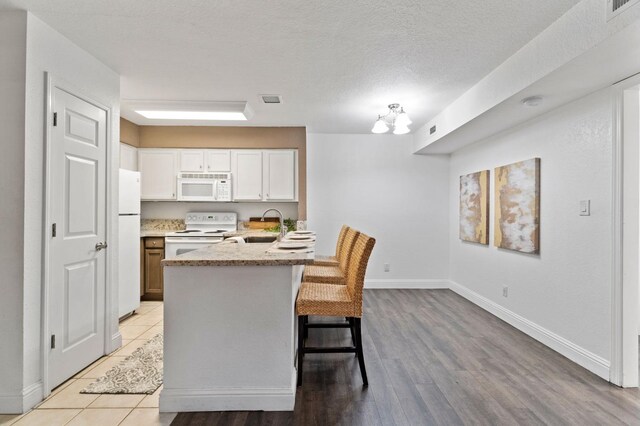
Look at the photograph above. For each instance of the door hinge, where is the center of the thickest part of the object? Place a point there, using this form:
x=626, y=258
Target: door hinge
x=53, y=230
x=53, y=341
x=55, y=119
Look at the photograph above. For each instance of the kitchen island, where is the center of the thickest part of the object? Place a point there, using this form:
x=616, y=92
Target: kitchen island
x=229, y=328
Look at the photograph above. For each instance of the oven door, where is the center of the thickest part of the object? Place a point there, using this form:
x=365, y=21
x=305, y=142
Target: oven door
x=175, y=246
x=196, y=189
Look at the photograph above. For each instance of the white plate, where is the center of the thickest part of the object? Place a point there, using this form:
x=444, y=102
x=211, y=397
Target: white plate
x=303, y=232
x=291, y=246
x=299, y=237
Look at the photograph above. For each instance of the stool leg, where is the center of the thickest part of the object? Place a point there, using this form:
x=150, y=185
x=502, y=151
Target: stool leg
x=306, y=329
x=301, y=331
x=358, y=326
x=353, y=332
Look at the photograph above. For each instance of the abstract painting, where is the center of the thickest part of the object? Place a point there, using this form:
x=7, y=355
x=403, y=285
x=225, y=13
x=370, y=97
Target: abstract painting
x=517, y=206
x=474, y=207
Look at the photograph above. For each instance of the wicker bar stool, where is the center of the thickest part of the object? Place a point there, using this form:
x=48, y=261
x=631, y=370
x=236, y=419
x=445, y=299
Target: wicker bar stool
x=322, y=299
x=333, y=274
x=333, y=260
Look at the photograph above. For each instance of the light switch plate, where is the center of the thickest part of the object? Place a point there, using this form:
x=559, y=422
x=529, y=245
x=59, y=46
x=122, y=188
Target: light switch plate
x=585, y=208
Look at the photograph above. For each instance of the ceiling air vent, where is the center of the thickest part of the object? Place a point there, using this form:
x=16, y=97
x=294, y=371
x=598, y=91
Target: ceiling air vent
x=271, y=99
x=616, y=7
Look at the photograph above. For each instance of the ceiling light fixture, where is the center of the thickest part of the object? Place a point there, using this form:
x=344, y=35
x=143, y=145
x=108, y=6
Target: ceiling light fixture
x=191, y=110
x=396, y=118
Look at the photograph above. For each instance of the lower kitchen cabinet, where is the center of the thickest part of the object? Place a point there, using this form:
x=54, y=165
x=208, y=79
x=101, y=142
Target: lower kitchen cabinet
x=153, y=275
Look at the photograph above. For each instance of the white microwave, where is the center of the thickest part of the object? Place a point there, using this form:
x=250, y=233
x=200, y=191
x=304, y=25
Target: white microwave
x=204, y=187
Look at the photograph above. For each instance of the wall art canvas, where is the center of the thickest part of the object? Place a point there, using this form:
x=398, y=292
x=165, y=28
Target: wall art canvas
x=517, y=206
x=474, y=207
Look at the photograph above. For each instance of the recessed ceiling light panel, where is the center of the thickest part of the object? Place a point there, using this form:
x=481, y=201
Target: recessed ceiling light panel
x=192, y=110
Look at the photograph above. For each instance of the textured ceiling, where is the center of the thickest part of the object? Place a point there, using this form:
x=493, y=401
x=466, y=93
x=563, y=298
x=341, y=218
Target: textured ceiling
x=336, y=63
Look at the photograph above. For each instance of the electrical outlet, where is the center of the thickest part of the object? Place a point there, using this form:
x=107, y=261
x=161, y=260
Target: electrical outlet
x=505, y=291
x=387, y=267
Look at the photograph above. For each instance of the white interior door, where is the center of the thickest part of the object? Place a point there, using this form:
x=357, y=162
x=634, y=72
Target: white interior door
x=78, y=212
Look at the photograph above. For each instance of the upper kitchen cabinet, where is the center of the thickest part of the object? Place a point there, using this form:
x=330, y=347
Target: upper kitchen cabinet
x=128, y=157
x=158, y=169
x=279, y=175
x=192, y=160
x=218, y=160
x=246, y=175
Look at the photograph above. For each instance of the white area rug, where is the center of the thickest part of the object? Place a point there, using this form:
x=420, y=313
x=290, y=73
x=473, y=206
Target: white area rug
x=140, y=373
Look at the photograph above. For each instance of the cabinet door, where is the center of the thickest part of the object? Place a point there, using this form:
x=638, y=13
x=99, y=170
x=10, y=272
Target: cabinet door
x=157, y=173
x=153, y=276
x=128, y=157
x=280, y=175
x=246, y=175
x=192, y=160
x=218, y=160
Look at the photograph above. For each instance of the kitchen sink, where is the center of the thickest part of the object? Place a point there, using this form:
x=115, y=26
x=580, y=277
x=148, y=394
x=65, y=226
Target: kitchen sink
x=260, y=238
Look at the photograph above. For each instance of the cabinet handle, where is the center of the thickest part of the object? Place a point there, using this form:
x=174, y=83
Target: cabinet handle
x=154, y=243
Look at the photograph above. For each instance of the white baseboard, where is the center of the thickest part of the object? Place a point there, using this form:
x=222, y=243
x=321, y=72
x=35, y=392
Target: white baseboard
x=32, y=395
x=23, y=402
x=592, y=362
x=406, y=284
x=236, y=399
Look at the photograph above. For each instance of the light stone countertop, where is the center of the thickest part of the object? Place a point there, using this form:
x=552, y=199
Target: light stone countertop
x=231, y=254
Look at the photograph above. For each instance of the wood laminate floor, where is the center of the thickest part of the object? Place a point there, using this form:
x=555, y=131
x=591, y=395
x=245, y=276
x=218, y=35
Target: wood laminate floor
x=435, y=358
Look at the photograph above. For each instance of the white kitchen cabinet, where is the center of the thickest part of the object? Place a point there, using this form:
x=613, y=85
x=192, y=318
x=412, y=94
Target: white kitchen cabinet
x=128, y=157
x=218, y=160
x=192, y=160
x=158, y=172
x=246, y=174
x=279, y=175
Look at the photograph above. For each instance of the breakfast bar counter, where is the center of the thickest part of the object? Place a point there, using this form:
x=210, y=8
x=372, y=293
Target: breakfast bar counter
x=229, y=328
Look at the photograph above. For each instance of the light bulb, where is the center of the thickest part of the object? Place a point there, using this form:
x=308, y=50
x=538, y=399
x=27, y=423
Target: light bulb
x=400, y=130
x=403, y=119
x=380, y=126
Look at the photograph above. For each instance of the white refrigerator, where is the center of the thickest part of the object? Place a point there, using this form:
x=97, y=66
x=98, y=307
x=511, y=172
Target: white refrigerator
x=129, y=242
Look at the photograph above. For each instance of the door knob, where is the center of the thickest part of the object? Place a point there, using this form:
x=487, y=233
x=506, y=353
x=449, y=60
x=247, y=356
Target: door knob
x=100, y=246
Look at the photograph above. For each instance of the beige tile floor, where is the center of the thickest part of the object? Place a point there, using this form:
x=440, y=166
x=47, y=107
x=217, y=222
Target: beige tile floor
x=67, y=406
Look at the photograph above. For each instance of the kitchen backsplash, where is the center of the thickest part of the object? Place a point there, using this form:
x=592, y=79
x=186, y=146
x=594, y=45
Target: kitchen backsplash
x=162, y=224
x=173, y=209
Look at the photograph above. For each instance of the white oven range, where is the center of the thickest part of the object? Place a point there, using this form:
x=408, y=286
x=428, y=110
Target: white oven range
x=202, y=229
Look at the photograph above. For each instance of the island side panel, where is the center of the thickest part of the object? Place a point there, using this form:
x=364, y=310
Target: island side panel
x=229, y=338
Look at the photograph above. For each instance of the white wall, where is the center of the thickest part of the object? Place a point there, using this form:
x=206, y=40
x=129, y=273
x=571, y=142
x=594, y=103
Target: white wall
x=178, y=210
x=564, y=291
x=13, y=35
x=46, y=51
x=374, y=183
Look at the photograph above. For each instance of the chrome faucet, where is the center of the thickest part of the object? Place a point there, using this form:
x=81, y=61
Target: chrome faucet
x=283, y=232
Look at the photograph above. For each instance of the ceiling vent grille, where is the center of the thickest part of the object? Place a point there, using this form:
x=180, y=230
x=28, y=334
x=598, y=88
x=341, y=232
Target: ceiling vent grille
x=616, y=7
x=271, y=99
